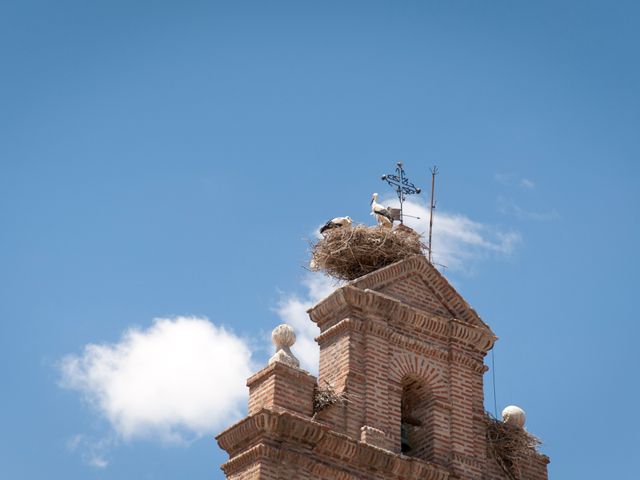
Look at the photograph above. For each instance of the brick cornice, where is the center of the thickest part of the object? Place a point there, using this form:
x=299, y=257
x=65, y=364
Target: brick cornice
x=267, y=425
x=247, y=458
x=468, y=361
x=283, y=370
x=368, y=303
x=378, y=328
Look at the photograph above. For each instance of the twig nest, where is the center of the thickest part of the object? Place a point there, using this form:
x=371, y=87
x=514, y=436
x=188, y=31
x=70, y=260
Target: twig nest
x=326, y=396
x=510, y=445
x=349, y=253
x=513, y=415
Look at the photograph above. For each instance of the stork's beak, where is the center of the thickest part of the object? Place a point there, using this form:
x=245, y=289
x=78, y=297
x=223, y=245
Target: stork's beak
x=371, y=202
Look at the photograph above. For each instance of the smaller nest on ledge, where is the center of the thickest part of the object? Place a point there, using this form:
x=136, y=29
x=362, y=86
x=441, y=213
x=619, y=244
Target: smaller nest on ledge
x=509, y=445
x=326, y=396
x=351, y=252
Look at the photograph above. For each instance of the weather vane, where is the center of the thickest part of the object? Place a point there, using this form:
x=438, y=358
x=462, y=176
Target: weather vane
x=400, y=183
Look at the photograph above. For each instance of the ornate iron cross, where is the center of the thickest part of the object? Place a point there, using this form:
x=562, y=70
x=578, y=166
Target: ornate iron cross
x=400, y=183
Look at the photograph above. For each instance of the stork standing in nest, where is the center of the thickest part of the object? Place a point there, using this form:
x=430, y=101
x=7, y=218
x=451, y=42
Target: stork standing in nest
x=382, y=214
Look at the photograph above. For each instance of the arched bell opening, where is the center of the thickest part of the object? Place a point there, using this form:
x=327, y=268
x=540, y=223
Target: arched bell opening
x=416, y=412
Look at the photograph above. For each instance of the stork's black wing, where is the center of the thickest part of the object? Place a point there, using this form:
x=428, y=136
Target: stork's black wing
x=328, y=226
x=385, y=213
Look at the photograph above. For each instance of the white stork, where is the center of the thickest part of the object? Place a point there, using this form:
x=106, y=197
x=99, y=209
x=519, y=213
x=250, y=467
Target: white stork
x=382, y=215
x=337, y=222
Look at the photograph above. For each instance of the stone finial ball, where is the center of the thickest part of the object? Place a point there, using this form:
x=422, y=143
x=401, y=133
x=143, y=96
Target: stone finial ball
x=513, y=415
x=283, y=336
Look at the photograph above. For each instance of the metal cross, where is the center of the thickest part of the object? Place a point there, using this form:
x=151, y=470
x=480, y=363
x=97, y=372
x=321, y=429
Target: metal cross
x=400, y=183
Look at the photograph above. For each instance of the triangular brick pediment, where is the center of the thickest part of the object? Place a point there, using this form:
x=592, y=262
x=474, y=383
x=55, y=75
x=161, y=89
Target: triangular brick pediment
x=414, y=291
x=417, y=283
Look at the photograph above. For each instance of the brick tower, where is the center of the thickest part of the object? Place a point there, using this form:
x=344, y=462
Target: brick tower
x=401, y=353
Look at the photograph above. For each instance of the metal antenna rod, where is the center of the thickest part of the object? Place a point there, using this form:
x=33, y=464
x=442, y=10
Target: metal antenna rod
x=399, y=190
x=434, y=172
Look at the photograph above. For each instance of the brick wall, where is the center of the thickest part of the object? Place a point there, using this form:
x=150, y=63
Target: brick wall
x=281, y=387
x=403, y=348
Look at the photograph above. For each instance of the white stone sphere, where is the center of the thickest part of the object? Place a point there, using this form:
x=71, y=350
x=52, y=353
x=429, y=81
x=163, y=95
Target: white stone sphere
x=283, y=336
x=513, y=415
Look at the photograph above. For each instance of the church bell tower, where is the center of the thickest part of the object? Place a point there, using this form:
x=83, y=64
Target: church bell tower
x=399, y=393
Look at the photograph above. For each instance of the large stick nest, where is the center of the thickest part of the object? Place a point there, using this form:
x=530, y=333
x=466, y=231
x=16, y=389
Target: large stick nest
x=326, y=396
x=509, y=445
x=350, y=252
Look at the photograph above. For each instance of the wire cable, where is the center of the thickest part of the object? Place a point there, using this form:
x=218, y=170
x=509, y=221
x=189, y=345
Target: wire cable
x=493, y=381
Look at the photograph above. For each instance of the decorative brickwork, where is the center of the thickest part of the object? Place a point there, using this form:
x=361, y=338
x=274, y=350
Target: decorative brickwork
x=281, y=387
x=407, y=353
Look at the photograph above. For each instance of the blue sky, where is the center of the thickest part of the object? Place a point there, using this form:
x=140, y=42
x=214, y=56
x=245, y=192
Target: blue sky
x=170, y=160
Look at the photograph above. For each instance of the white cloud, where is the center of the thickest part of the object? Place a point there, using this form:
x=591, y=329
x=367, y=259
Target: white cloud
x=510, y=179
x=526, y=183
x=458, y=241
x=292, y=309
x=509, y=207
x=178, y=379
x=93, y=452
x=504, y=178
